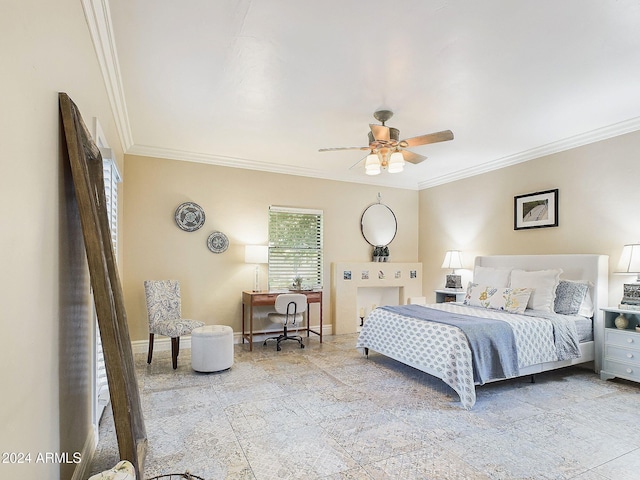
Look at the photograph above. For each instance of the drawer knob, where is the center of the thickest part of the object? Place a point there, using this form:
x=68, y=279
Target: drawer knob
x=629, y=370
x=629, y=355
x=629, y=340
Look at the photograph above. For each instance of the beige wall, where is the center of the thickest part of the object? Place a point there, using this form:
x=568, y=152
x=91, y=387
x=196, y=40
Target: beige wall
x=46, y=315
x=598, y=210
x=46, y=310
x=236, y=203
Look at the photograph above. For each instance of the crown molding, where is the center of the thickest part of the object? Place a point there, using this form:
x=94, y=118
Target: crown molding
x=98, y=18
x=580, y=140
x=587, y=138
x=235, y=162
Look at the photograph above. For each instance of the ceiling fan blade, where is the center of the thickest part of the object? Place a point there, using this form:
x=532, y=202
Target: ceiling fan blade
x=333, y=149
x=412, y=157
x=380, y=132
x=428, y=138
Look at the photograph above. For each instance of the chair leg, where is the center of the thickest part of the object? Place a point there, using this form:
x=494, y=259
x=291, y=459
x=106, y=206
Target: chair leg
x=150, y=349
x=175, y=342
x=285, y=336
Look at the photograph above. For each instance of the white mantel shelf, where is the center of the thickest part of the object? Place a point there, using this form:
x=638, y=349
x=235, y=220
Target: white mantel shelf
x=348, y=277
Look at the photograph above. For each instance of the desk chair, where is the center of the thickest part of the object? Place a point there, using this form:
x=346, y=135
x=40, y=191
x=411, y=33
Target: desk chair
x=165, y=315
x=290, y=308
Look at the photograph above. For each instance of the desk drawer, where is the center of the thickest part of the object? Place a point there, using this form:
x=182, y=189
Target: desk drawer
x=259, y=299
x=313, y=297
x=264, y=298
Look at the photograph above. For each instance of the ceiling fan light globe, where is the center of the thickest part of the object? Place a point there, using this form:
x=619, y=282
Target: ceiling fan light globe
x=372, y=164
x=396, y=163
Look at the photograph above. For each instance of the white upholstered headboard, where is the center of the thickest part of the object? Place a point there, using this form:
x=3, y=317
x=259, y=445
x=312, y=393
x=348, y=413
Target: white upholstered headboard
x=591, y=268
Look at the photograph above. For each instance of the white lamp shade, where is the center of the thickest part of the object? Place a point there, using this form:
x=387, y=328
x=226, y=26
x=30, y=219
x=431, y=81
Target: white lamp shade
x=452, y=259
x=256, y=254
x=630, y=259
x=372, y=164
x=396, y=162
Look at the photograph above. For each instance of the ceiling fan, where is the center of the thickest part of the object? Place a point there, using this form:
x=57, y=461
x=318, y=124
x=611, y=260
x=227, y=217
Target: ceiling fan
x=387, y=151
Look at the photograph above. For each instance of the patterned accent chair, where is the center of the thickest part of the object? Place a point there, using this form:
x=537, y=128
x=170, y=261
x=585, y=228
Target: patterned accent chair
x=165, y=315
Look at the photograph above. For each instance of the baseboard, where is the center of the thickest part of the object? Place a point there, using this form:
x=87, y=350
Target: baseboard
x=163, y=344
x=82, y=469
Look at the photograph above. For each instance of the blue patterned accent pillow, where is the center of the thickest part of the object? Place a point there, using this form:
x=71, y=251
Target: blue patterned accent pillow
x=569, y=297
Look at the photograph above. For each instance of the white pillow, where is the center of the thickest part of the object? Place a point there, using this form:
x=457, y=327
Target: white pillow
x=497, y=277
x=586, y=307
x=544, y=283
x=513, y=300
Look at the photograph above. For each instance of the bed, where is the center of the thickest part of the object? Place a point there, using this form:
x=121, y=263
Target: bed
x=514, y=328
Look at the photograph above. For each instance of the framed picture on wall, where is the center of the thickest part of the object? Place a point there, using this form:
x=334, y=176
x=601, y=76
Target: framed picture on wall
x=535, y=210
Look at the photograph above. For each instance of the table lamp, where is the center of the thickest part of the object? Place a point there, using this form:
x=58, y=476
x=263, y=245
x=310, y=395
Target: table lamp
x=256, y=254
x=629, y=264
x=453, y=260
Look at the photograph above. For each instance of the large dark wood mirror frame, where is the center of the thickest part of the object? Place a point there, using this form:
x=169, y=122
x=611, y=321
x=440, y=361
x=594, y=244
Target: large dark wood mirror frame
x=86, y=168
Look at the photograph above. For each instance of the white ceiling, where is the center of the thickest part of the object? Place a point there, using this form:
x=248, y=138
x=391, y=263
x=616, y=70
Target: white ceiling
x=264, y=84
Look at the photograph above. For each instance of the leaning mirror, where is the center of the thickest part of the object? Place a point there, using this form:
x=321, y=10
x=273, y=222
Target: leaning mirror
x=378, y=224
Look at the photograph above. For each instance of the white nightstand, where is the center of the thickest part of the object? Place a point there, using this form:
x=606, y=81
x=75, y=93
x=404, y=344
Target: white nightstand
x=450, y=295
x=621, y=350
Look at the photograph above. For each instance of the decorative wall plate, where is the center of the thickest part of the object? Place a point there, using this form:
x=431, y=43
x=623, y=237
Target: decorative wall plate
x=189, y=216
x=217, y=242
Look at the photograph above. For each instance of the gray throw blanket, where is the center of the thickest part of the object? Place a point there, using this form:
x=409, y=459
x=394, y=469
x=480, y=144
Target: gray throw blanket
x=493, y=346
x=565, y=334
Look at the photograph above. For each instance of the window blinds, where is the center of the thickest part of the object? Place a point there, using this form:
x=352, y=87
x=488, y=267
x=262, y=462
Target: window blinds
x=295, y=247
x=111, y=180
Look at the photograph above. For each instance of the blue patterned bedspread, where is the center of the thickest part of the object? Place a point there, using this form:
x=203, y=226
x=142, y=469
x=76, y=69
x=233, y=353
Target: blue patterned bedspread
x=492, y=342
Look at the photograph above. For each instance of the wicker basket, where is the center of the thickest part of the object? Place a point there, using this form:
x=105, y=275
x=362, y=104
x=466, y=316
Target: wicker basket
x=177, y=476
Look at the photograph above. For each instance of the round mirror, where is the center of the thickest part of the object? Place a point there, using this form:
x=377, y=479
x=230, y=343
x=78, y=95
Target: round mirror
x=378, y=225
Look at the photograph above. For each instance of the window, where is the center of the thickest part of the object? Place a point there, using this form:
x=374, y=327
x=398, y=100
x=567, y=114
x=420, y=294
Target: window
x=295, y=247
x=111, y=180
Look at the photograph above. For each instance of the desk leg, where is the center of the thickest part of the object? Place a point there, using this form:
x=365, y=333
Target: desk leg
x=319, y=332
x=251, y=327
x=320, y=319
x=243, y=323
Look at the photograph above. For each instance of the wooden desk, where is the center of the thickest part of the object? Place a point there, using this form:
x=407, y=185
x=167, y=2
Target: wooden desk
x=258, y=299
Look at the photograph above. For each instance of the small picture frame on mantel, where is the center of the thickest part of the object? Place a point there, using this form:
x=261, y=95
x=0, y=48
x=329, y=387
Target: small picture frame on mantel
x=535, y=210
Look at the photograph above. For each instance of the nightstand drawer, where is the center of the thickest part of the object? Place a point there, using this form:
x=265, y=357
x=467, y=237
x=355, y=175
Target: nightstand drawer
x=630, y=372
x=627, y=339
x=615, y=353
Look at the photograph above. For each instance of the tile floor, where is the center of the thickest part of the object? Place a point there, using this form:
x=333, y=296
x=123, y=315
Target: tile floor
x=327, y=412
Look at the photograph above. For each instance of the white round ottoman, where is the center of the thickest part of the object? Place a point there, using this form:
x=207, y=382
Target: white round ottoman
x=211, y=348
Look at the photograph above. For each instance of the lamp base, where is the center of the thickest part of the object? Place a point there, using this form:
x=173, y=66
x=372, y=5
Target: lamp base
x=454, y=281
x=631, y=294
x=256, y=282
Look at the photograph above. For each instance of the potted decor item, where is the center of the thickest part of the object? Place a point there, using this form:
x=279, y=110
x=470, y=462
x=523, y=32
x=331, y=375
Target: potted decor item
x=297, y=283
x=381, y=253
